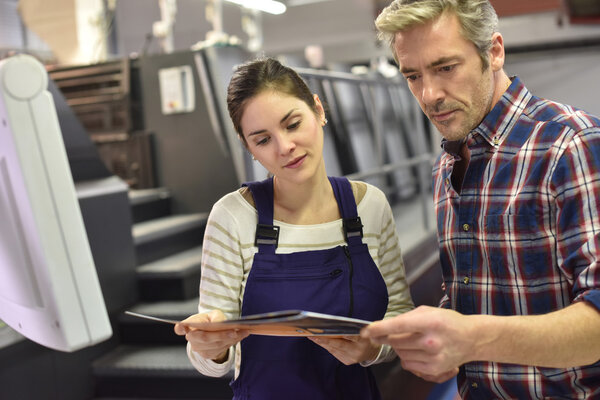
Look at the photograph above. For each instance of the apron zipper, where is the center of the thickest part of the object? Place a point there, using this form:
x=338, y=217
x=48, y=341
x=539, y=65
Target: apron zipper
x=335, y=273
x=347, y=252
x=321, y=275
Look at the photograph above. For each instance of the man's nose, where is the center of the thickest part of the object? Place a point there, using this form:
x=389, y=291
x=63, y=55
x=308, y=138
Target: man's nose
x=432, y=91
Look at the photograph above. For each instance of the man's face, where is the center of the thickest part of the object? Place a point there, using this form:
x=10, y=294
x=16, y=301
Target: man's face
x=444, y=73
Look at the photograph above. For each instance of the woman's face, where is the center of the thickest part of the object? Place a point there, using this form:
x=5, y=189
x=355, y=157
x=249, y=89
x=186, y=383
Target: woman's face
x=284, y=134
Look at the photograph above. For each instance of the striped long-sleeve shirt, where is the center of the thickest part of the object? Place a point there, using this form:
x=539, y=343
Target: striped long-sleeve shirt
x=522, y=236
x=228, y=251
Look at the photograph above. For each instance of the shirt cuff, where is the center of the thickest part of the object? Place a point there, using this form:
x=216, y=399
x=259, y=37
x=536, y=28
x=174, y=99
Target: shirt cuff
x=592, y=297
x=386, y=353
x=208, y=367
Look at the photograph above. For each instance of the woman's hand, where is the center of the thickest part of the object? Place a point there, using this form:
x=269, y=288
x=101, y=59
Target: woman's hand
x=348, y=349
x=211, y=345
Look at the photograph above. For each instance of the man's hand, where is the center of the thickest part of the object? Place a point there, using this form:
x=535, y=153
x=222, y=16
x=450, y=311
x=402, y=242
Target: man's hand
x=431, y=342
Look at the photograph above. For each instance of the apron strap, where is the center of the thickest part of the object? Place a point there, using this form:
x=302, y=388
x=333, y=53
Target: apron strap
x=352, y=224
x=267, y=234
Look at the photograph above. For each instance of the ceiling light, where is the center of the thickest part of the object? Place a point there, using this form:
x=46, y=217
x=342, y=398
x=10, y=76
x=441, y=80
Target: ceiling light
x=268, y=6
x=294, y=3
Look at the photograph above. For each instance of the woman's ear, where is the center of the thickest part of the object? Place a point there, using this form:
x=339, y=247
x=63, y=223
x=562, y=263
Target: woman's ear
x=319, y=107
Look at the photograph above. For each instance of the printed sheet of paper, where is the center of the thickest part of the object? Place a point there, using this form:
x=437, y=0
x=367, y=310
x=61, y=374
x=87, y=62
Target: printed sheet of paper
x=280, y=323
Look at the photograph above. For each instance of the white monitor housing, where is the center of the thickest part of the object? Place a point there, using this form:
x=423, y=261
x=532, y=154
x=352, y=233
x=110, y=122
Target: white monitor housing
x=49, y=289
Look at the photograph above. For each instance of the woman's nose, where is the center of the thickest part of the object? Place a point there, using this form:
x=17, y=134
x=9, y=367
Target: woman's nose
x=286, y=144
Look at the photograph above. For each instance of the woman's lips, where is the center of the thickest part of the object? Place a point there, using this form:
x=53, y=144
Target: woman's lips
x=296, y=162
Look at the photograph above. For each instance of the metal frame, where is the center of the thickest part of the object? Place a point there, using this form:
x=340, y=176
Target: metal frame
x=421, y=155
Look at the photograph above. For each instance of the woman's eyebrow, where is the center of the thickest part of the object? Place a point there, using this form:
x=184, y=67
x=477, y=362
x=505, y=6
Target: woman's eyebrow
x=286, y=116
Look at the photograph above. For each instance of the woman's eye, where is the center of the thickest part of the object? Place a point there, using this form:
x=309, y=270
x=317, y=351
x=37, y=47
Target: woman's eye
x=294, y=125
x=262, y=141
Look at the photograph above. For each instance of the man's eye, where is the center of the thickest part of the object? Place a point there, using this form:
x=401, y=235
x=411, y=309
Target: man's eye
x=447, y=68
x=411, y=78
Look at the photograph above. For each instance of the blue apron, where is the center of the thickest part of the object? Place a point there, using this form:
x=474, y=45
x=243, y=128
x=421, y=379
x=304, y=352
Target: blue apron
x=341, y=281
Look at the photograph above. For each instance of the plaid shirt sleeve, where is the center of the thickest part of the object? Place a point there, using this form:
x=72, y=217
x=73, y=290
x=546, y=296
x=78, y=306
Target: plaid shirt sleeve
x=521, y=236
x=576, y=182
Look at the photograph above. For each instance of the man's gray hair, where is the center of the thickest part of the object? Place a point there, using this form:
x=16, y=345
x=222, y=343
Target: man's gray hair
x=477, y=18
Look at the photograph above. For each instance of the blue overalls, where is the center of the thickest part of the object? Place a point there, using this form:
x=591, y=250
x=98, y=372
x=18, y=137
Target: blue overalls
x=342, y=281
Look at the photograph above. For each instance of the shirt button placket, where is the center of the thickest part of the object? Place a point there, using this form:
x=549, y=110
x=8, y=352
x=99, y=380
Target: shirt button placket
x=468, y=306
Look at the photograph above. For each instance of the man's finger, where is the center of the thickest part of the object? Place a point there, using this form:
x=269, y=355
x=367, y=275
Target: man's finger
x=413, y=355
x=389, y=326
x=401, y=341
x=417, y=320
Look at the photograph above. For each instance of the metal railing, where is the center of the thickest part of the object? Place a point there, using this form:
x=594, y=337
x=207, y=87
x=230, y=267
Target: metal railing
x=407, y=121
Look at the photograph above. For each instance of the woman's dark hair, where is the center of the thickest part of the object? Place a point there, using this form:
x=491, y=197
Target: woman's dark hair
x=255, y=77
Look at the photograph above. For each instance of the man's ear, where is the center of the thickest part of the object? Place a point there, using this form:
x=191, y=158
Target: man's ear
x=497, y=52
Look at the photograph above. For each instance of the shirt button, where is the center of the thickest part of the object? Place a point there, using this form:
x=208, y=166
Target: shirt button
x=466, y=280
x=496, y=141
x=447, y=181
x=466, y=227
x=474, y=385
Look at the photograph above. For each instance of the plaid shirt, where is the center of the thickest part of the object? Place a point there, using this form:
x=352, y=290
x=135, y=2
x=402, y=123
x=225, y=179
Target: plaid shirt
x=523, y=235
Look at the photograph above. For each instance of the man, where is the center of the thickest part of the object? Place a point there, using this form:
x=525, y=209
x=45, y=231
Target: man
x=517, y=193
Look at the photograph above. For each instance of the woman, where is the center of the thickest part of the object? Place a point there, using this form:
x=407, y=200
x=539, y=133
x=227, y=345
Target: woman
x=310, y=250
